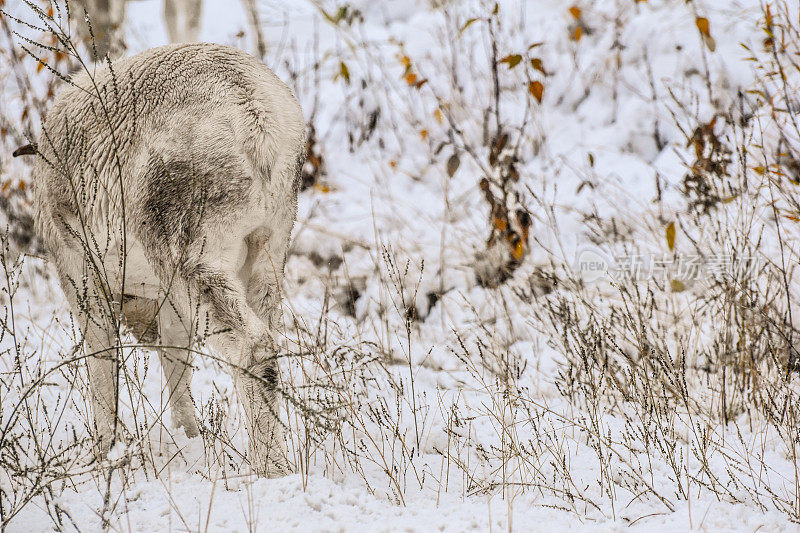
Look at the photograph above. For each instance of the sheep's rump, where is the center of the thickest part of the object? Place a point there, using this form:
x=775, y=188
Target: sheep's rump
x=172, y=133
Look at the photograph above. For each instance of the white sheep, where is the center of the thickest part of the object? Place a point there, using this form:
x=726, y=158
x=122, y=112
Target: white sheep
x=166, y=191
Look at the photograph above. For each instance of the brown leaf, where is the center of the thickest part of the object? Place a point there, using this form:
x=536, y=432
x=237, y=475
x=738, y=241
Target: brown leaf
x=705, y=33
x=577, y=33
x=575, y=11
x=410, y=78
x=512, y=60
x=536, y=63
x=423, y=134
x=537, y=90
x=453, y=162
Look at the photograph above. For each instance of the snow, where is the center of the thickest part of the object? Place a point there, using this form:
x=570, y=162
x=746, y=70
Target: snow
x=400, y=231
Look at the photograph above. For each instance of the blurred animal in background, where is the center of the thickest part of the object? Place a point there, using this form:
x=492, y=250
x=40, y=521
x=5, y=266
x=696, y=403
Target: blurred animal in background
x=107, y=18
x=181, y=17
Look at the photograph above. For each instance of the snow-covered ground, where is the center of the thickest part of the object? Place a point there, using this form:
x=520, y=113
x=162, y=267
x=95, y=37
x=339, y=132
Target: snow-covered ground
x=468, y=416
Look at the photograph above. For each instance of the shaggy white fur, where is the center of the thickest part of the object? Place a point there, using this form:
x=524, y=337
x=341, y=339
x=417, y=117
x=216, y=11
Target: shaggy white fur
x=166, y=191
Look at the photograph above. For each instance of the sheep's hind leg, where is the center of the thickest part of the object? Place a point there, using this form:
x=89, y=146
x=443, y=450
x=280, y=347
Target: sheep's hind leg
x=176, y=361
x=244, y=340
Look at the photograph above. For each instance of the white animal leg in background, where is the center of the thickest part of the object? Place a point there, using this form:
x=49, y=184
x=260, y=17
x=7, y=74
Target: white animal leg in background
x=108, y=25
x=182, y=18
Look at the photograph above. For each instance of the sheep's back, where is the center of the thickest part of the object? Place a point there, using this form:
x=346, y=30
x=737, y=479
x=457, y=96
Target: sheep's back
x=90, y=140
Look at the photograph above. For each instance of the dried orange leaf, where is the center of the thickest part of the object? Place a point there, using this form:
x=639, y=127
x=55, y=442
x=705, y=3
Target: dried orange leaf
x=536, y=63
x=518, y=251
x=500, y=223
x=406, y=61
x=575, y=11
x=536, y=89
x=703, y=26
x=512, y=60
x=410, y=78
x=577, y=33
x=322, y=188
x=39, y=66
x=423, y=134
x=671, y=235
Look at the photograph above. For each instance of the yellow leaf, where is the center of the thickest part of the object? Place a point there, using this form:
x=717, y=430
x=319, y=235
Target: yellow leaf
x=703, y=26
x=322, y=188
x=759, y=170
x=423, y=134
x=512, y=60
x=677, y=286
x=410, y=78
x=671, y=235
x=705, y=32
x=537, y=90
x=575, y=11
x=393, y=163
x=438, y=115
x=466, y=25
x=40, y=66
x=406, y=61
x=577, y=33
x=518, y=251
x=5, y=186
x=344, y=71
